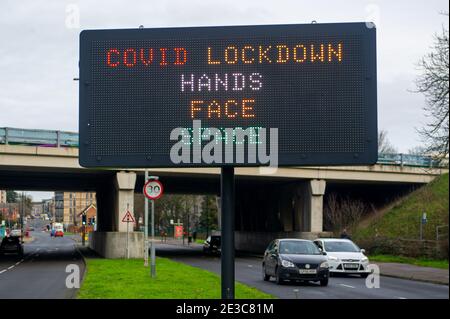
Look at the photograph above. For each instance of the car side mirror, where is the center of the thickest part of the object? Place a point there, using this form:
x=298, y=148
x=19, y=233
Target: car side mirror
x=363, y=251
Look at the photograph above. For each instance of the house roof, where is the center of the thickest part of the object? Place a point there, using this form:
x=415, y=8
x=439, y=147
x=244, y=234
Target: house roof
x=84, y=211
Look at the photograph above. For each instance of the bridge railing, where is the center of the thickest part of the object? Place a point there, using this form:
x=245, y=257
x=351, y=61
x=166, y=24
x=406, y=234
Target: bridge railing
x=49, y=138
x=38, y=137
x=408, y=160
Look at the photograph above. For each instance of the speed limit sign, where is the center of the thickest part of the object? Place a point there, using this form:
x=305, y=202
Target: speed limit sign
x=153, y=189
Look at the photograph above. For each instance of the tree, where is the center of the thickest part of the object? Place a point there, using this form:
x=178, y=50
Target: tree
x=434, y=84
x=11, y=197
x=342, y=212
x=417, y=150
x=384, y=145
x=208, y=216
x=25, y=204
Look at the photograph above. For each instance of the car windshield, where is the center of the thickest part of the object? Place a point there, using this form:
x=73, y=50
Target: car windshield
x=215, y=241
x=341, y=246
x=298, y=248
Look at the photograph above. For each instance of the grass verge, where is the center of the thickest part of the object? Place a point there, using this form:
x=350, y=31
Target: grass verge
x=129, y=279
x=442, y=264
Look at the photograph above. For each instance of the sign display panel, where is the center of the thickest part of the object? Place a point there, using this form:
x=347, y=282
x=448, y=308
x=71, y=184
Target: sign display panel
x=210, y=96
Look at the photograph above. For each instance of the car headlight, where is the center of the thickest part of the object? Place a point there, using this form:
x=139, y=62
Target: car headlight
x=333, y=258
x=324, y=265
x=364, y=259
x=287, y=263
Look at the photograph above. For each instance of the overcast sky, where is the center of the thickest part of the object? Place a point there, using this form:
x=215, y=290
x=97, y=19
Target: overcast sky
x=39, y=49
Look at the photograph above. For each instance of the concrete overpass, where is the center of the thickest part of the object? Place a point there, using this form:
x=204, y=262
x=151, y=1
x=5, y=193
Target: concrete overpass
x=288, y=202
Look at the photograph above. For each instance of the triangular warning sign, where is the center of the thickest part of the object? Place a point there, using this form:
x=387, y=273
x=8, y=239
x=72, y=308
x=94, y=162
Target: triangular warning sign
x=128, y=218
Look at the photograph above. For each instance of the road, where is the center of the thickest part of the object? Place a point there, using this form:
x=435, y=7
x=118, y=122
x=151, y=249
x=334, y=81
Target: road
x=248, y=271
x=42, y=271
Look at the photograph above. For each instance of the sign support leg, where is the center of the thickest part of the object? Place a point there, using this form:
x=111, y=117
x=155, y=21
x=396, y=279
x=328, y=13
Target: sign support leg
x=227, y=233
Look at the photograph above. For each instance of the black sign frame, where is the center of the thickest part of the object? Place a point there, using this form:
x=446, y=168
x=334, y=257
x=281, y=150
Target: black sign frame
x=366, y=31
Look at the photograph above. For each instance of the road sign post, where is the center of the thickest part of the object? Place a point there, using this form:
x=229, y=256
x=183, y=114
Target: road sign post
x=423, y=221
x=128, y=218
x=152, y=251
x=153, y=189
x=146, y=225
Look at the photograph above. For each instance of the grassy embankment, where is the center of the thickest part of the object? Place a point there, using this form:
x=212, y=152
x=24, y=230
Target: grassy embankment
x=403, y=221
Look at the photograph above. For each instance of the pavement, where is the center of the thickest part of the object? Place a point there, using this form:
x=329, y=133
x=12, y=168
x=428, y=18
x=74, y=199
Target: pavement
x=41, y=273
x=412, y=272
x=248, y=271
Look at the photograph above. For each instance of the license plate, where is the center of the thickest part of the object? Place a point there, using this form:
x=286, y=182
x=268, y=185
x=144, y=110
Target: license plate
x=307, y=271
x=352, y=266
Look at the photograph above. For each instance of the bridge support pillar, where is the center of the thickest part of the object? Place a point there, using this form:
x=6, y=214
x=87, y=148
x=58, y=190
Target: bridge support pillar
x=124, y=184
x=310, y=205
x=114, y=199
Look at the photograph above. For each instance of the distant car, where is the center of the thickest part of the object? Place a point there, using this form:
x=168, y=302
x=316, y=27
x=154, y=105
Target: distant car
x=59, y=233
x=31, y=228
x=344, y=256
x=59, y=230
x=295, y=259
x=15, y=232
x=11, y=244
x=212, y=245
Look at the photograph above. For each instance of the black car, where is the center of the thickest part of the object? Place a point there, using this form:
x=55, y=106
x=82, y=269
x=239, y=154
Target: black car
x=11, y=244
x=212, y=245
x=295, y=259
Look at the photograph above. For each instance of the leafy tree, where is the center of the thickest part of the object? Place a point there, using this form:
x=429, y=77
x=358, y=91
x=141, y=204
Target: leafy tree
x=11, y=196
x=208, y=217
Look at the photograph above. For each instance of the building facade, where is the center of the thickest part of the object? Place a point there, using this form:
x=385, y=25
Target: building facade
x=68, y=206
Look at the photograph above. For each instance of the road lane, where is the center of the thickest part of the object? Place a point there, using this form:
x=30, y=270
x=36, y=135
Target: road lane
x=248, y=271
x=42, y=271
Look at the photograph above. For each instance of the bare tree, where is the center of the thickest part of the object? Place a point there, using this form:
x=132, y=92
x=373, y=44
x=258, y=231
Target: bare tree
x=417, y=150
x=384, y=145
x=342, y=212
x=434, y=84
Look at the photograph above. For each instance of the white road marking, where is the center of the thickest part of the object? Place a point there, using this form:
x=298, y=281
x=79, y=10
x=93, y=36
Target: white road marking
x=4, y=270
x=11, y=267
x=401, y=298
x=348, y=286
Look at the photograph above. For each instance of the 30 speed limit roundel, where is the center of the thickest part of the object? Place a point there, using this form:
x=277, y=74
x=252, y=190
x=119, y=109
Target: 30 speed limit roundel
x=153, y=189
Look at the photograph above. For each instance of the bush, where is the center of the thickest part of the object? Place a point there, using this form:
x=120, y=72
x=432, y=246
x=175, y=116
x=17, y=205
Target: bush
x=431, y=249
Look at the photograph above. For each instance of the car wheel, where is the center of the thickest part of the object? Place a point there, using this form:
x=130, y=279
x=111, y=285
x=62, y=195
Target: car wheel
x=278, y=280
x=324, y=282
x=365, y=275
x=265, y=276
